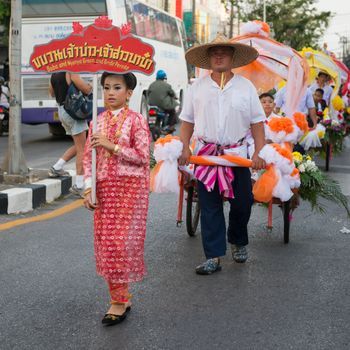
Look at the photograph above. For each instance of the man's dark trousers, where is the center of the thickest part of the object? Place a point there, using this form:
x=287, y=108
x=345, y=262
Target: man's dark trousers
x=213, y=225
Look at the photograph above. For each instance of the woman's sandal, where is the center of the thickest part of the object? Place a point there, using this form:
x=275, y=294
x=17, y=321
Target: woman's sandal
x=110, y=319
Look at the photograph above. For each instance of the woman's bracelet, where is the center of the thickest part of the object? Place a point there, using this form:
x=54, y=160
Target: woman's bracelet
x=116, y=149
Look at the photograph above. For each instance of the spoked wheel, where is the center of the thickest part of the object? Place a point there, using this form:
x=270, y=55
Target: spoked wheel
x=328, y=155
x=192, y=211
x=286, y=208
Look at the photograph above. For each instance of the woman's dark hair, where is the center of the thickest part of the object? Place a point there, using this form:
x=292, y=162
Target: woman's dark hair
x=129, y=79
x=321, y=91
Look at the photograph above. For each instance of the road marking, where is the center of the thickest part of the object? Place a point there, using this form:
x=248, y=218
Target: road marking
x=53, y=214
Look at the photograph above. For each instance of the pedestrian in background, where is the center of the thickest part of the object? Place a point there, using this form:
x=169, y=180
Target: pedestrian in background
x=58, y=88
x=122, y=144
x=219, y=109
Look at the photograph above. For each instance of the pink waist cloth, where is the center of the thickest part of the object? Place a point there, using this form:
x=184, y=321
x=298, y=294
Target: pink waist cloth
x=209, y=174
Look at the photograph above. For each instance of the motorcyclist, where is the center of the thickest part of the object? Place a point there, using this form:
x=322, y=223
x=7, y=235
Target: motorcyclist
x=4, y=93
x=161, y=94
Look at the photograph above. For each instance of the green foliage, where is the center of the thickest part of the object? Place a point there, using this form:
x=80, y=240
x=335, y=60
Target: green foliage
x=335, y=138
x=296, y=23
x=5, y=11
x=316, y=185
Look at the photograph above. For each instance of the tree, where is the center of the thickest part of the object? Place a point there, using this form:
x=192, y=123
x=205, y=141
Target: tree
x=5, y=13
x=296, y=23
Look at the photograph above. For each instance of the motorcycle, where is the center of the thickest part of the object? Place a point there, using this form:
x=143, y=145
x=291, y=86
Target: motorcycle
x=4, y=119
x=157, y=122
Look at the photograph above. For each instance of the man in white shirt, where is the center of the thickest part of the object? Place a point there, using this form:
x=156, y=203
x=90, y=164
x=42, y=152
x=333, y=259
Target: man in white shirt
x=322, y=83
x=219, y=109
x=306, y=105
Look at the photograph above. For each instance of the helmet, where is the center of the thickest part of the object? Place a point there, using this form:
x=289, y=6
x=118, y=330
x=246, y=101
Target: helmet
x=161, y=75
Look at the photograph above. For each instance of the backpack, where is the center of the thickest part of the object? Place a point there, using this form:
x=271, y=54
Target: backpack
x=78, y=105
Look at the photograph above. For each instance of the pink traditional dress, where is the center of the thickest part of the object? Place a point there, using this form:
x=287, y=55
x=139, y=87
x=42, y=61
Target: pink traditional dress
x=122, y=190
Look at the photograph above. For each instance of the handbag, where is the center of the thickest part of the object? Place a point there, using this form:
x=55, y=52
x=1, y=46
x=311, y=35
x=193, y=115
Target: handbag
x=78, y=105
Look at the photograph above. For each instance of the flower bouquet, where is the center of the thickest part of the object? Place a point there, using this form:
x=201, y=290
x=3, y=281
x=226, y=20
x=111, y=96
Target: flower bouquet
x=335, y=131
x=347, y=121
x=315, y=184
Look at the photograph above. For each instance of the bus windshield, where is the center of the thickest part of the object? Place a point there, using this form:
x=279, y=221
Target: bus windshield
x=58, y=8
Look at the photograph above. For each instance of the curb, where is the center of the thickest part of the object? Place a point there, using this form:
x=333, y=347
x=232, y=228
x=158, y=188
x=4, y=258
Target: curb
x=26, y=197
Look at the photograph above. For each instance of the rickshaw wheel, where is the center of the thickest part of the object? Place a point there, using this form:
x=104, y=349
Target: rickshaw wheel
x=328, y=155
x=192, y=212
x=286, y=221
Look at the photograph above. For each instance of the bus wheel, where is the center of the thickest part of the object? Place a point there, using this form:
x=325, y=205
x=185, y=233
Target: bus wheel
x=56, y=129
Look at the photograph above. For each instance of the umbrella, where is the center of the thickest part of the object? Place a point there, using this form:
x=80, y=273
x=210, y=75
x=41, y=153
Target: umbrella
x=276, y=62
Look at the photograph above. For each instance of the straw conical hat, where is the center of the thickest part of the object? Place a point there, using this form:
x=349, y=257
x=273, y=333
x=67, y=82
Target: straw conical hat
x=243, y=54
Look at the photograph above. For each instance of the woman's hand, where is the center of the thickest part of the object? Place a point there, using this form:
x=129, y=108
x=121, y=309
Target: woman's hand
x=88, y=202
x=100, y=140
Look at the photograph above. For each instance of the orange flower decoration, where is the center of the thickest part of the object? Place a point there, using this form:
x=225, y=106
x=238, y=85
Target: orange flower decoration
x=264, y=26
x=166, y=139
x=281, y=124
x=295, y=172
x=283, y=151
x=300, y=121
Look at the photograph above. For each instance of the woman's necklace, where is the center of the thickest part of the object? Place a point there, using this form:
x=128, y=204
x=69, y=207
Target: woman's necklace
x=114, y=120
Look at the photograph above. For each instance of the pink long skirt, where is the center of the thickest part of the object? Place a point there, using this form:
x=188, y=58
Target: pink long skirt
x=120, y=228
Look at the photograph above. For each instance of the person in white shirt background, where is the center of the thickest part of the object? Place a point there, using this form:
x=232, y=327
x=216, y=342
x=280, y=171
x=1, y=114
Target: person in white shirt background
x=306, y=105
x=268, y=103
x=322, y=82
x=218, y=111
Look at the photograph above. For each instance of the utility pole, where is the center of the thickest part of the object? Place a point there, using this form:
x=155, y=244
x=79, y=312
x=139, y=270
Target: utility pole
x=194, y=34
x=14, y=161
x=238, y=18
x=264, y=14
x=344, y=42
x=231, y=19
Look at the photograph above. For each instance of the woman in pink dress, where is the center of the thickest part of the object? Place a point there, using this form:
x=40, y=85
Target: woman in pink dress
x=122, y=145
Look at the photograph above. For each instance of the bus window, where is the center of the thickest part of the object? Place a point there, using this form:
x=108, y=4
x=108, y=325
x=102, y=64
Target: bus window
x=183, y=34
x=152, y=24
x=56, y=8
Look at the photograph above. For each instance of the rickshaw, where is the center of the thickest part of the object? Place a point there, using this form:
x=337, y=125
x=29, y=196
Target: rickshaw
x=188, y=186
x=320, y=62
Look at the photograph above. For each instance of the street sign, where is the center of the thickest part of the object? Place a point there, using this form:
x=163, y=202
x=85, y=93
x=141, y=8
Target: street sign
x=95, y=48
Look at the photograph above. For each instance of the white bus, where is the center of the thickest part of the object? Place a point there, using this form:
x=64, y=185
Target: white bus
x=45, y=20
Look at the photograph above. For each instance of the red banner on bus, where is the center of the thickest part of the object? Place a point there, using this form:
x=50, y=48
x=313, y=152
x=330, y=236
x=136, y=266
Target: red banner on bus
x=95, y=48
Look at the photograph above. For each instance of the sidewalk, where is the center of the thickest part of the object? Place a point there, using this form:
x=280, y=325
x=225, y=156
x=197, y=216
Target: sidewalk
x=15, y=199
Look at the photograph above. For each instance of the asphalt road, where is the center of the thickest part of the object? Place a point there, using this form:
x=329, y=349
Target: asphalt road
x=294, y=296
